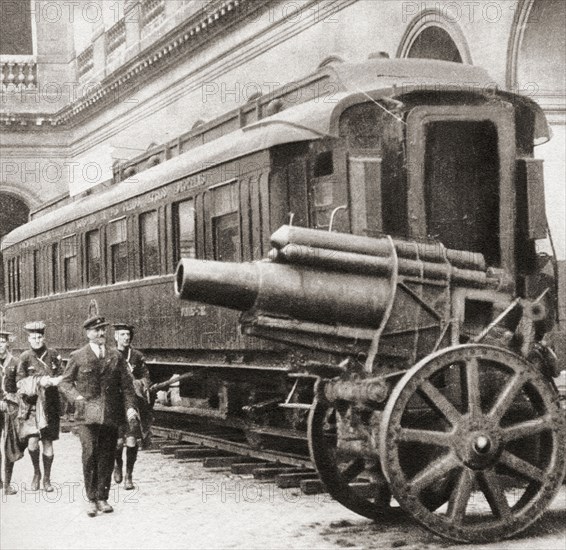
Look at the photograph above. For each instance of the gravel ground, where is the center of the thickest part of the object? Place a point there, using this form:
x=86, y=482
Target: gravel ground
x=181, y=505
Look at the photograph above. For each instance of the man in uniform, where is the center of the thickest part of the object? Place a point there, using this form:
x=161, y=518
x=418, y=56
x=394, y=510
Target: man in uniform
x=39, y=410
x=8, y=408
x=97, y=380
x=123, y=335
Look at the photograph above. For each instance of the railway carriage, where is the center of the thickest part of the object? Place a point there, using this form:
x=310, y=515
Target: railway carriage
x=379, y=239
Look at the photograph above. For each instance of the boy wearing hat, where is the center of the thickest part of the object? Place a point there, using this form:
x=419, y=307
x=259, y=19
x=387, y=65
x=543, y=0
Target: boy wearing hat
x=123, y=335
x=97, y=380
x=38, y=373
x=8, y=411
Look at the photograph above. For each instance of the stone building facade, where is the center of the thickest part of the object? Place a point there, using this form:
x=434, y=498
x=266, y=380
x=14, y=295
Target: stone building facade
x=89, y=84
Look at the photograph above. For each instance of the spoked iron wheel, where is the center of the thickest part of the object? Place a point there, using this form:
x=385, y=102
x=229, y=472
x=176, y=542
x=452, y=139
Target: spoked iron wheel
x=346, y=479
x=485, y=425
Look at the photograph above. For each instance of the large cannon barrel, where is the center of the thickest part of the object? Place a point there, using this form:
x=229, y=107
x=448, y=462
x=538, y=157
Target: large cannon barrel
x=377, y=265
x=377, y=247
x=330, y=278
x=299, y=292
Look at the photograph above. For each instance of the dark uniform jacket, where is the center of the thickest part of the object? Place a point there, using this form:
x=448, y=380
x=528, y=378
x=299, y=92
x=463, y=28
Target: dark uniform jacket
x=144, y=400
x=136, y=363
x=43, y=362
x=11, y=447
x=105, y=384
x=8, y=368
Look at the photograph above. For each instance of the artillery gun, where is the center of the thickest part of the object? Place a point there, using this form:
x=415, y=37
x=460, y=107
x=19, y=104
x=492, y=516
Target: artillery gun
x=444, y=395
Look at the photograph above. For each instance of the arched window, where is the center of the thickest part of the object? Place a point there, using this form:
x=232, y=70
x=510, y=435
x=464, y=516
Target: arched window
x=435, y=43
x=14, y=212
x=434, y=35
x=540, y=50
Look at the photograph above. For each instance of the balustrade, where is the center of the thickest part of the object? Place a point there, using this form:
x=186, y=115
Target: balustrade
x=17, y=73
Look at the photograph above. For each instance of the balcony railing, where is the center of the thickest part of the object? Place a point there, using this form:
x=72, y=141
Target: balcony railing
x=18, y=73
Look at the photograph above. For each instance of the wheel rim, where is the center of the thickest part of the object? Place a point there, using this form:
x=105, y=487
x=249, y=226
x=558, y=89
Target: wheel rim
x=341, y=477
x=490, y=430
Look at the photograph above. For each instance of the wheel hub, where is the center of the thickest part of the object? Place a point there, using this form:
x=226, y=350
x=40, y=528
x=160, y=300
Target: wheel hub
x=482, y=444
x=478, y=444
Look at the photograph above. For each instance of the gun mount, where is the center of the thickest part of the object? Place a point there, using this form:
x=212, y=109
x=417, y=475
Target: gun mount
x=434, y=414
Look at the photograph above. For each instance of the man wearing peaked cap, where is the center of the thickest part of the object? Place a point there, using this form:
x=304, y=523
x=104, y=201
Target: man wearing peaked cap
x=123, y=335
x=8, y=413
x=95, y=322
x=35, y=326
x=97, y=380
x=39, y=371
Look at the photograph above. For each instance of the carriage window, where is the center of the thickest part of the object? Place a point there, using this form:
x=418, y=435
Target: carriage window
x=36, y=265
x=14, y=279
x=328, y=193
x=149, y=244
x=18, y=280
x=184, y=230
x=55, y=267
x=118, y=250
x=226, y=224
x=70, y=267
x=93, y=260
x=323, y=164
x=227, y=238
x=8, y=278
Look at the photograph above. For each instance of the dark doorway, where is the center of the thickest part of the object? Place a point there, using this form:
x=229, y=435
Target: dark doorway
x=462, y=186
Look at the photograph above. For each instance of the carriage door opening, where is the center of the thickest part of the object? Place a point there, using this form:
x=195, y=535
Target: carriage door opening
x=461, y=186
x=328, y=191
x=461, y=178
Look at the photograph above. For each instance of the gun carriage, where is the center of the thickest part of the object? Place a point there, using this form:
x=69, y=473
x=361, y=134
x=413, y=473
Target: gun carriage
x=393, y=222
x=443, y=395
x=427, y=419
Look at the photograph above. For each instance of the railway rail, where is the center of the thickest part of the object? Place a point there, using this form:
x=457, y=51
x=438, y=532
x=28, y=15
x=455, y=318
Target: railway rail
x=185, y=428
x=187, y=437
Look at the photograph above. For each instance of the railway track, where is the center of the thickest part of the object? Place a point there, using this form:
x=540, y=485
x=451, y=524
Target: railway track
x=225, y=448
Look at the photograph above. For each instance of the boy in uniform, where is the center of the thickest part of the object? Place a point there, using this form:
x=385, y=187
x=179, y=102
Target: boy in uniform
x=38, y=373
x=123, y=335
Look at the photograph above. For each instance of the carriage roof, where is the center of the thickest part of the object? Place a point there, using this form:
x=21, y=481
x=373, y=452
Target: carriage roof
x=311, y=120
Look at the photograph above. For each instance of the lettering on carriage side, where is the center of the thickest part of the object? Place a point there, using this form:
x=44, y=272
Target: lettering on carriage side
x=138, y=202
x=190, y=182
x=193, y=311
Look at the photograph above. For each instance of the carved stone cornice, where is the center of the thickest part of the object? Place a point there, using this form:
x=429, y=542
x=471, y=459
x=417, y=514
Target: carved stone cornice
x=193, y=34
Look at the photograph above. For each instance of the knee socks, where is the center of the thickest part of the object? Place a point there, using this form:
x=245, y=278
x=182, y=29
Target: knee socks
x=34, y=455
x=47, y=461
x=131, y=455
